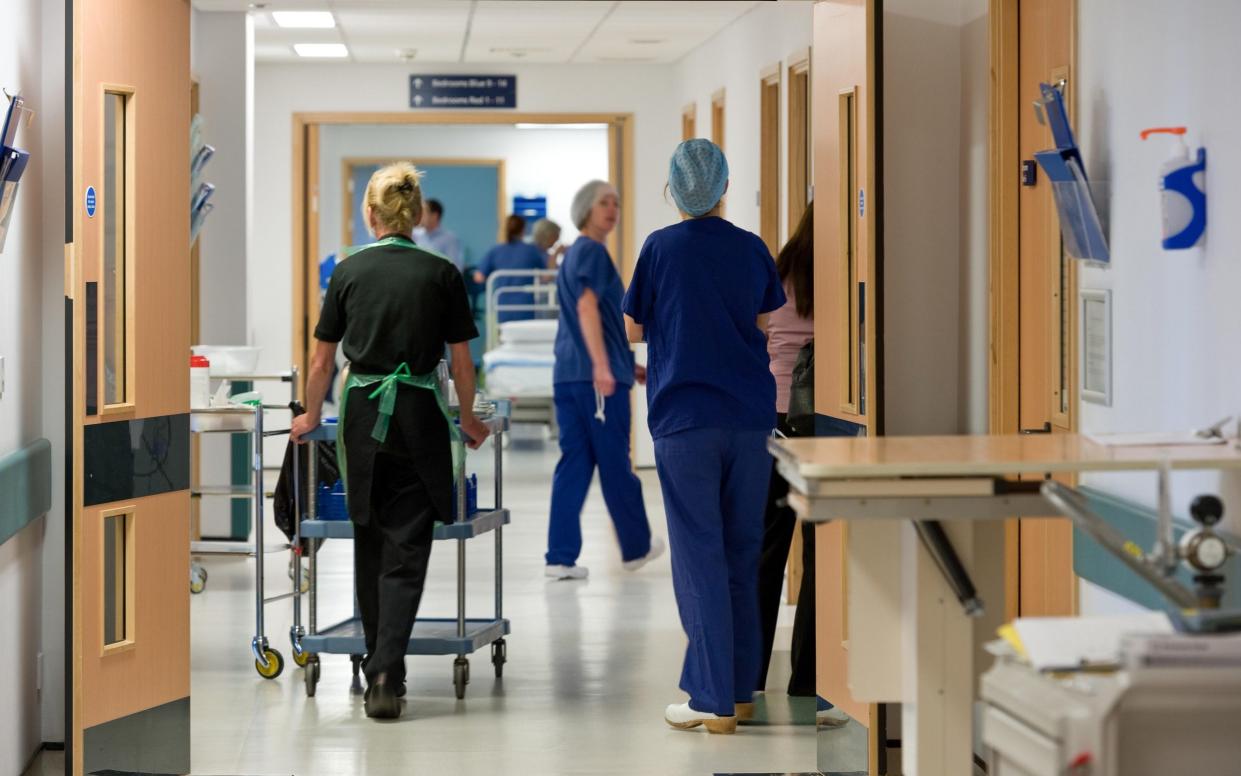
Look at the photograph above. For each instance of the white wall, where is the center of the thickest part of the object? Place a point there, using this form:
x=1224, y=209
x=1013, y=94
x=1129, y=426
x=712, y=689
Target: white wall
x=551, y=162
x=1175, y=314
x=734, y=60
x=283, y=89
x=935, y=210
x=221, y=59
x=51, y=123
x=25, y=66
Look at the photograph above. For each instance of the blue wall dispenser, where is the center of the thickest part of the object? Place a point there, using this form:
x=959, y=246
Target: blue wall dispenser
x=1182, y=180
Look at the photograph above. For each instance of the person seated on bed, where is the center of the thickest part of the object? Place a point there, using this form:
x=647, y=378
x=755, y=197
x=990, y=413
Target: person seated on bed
x=592, y=378
x=513, y=253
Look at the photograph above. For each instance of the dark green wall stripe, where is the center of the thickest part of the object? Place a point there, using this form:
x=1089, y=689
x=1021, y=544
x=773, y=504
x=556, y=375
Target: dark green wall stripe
x=1138, y=523
x=128, y=459
x=25, y=487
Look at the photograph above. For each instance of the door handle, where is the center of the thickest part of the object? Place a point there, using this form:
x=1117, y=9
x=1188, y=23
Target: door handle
x=1046, y=429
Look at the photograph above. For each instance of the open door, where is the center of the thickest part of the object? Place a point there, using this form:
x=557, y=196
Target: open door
x=844, y=97
x=128, y=299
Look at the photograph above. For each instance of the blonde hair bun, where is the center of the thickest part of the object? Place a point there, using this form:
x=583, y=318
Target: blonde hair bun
x=394, y=197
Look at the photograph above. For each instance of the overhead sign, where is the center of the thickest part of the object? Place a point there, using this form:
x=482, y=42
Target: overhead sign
x=90, y=201
x=463, y=91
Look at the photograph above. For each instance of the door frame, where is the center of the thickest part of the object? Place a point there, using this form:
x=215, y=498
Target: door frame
x=346, y=176
x=1004, y=254
x=305, y=182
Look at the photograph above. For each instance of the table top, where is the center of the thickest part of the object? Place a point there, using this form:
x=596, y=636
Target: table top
x=984, y=455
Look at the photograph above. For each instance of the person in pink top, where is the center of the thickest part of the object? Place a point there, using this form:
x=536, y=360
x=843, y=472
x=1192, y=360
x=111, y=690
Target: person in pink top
x=791, y=327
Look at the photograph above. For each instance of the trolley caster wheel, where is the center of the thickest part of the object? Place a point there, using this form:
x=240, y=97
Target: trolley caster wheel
x=460, y=676
x=312, y=675
x=302, y=659
x=275, y=664
x=356, y=685
x=499, y=656
x=198, y=579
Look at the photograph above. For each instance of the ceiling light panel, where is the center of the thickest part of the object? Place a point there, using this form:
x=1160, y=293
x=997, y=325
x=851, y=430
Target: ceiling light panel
x=436, y=31
x=628, y=35
x=304, y=20
x=321, y=50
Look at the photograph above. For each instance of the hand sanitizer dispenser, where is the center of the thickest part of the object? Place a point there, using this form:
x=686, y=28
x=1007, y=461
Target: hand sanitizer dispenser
x=1183, y=183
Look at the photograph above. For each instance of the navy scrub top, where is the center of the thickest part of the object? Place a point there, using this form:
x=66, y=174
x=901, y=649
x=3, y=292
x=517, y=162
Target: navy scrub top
x=514, y=255
x=698, y=289
x=588, y=265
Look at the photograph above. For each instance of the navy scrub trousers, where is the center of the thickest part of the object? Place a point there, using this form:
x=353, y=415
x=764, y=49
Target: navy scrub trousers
x=715, y=484
x=585, y=443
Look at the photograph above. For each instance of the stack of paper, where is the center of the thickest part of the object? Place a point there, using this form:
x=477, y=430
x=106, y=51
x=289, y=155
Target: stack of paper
x=1077, y=643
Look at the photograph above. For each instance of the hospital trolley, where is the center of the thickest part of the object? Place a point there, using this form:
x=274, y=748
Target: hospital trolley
x=241, y=418
x=459, y=636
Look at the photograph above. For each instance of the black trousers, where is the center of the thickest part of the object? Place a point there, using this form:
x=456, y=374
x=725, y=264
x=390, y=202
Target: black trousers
x=391, y=553
x=779, y=523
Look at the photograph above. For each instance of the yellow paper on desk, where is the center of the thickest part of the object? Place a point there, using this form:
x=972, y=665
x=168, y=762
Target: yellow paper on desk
x=1010, y=635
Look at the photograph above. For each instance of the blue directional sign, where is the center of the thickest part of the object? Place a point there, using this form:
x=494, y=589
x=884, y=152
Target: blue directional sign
x=463, y=91
x=90, y=201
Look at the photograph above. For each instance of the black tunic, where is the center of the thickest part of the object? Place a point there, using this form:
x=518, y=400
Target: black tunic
x=392, y=304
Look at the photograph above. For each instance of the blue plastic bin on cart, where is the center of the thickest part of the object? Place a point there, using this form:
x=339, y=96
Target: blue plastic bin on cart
x=330, y=502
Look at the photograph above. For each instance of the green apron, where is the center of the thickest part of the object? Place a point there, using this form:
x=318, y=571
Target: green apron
x=386, y=390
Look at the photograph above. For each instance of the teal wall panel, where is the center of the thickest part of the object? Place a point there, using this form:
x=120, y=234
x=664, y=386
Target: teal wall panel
x=25, y=487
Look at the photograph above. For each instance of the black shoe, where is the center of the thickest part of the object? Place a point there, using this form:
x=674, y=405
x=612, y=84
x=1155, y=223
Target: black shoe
x=381, y=700
x=400, y=690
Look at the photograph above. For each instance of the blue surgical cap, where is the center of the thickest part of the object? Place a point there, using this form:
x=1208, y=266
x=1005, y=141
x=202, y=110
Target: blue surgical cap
x=697, y=176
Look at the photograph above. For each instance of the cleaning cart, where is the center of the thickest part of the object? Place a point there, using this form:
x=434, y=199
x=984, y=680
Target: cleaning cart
x=460, y=636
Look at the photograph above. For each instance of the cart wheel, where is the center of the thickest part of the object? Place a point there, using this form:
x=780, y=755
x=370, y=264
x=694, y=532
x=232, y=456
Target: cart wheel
x=302, y=659
x=356, y=685
x=460, y=676
x=499, y=656
x=312, y=675
x=275, y=664
x=198, y=579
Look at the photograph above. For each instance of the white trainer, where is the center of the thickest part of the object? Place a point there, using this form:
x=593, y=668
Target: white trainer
x=566, y=572
x=657, y=549
x=682, y=717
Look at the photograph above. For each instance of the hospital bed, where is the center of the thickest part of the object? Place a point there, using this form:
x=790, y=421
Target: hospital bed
x=519, y=357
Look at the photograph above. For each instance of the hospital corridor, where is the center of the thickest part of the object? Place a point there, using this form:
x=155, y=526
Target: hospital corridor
x=642, y=387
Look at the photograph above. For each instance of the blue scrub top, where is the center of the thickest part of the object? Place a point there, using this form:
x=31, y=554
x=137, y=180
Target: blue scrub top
x=698, y=289
x=588, y=265
x=513, y=255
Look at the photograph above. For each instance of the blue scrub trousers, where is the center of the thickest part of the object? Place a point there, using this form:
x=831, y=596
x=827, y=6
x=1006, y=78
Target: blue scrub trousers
x=584, y=444
x=715, y=487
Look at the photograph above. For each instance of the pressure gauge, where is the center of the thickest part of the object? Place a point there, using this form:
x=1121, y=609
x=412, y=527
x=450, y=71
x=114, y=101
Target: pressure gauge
x=1206, y=552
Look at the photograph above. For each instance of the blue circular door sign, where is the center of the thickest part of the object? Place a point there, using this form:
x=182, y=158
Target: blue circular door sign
x=90, y=201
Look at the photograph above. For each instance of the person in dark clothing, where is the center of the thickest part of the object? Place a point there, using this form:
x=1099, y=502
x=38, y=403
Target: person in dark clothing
x=790, y=328
x=393, y=307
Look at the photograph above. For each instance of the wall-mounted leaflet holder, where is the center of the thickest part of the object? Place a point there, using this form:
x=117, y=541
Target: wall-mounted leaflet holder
x=1079, y=219
x=13, y=160
x=200, y=192
x=200, y=207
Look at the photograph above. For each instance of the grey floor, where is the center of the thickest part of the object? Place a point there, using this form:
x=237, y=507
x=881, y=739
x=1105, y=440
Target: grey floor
x=591, y=666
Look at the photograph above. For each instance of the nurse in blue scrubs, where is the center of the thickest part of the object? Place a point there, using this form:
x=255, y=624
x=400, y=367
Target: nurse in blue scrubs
x=515, y=254
x=593, y=376
x=700, y=297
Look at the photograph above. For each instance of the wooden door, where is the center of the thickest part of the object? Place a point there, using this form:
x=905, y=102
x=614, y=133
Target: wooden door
x=844, y=146
x=1047, y=330
x=769, y=159
x=689, y=121
x=128, y=292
